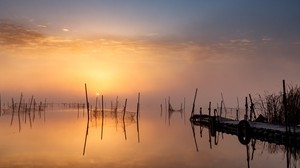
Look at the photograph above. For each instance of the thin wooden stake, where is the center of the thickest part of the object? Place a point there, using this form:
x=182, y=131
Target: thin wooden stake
x=285, y=106
x=193, y=108
x=124, y=111
x=209, y=109
x=137, y=118
x=246, y=107
x=21, y=97
x=87, y=103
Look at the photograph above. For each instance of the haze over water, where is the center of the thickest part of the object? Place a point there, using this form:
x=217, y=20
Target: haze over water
x=50, y=49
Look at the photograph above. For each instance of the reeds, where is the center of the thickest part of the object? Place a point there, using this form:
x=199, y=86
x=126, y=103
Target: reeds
x=281, y=109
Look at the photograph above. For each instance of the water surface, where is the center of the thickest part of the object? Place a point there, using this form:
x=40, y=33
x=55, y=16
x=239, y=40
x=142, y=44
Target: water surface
x=58, y=140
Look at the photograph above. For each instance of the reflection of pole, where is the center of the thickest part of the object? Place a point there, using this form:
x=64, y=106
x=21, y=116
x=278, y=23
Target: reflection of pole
x=184, y=110
x=194, y=135
x=124, y=126
x=166, y=109
x=248, y=156
x=19, y=112
x=102, y=112
x=13, y=112
x=86, y=135
x=88, y=119
x=30, y=111
x=169, y=110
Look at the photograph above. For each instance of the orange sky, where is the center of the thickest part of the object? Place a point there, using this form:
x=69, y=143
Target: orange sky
x=146, y=48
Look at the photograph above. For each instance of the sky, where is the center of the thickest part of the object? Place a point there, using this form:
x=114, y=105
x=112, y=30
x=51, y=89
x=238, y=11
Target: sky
x=159, y=48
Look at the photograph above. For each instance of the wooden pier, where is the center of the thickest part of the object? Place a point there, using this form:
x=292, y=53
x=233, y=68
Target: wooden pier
x=247, y=130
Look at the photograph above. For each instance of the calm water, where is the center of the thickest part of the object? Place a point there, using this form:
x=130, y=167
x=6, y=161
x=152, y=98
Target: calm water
x=58, y=139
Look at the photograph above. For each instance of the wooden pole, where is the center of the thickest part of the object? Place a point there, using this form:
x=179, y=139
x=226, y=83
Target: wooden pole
x=252, y=112
x=246, y=107
x=137, y=118
x=285, y=106
x=124, y=111
x=209, y=109
x=224, y=104
x=221, y=108
x=87, y=103
x=238, y=108
x=193, y=108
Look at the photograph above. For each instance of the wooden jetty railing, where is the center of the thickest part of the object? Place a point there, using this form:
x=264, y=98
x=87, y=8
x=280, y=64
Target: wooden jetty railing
x=247, y=130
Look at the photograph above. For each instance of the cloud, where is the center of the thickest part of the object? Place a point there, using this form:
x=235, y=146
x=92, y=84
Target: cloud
x=11, y=34
x=41, y=26
x=65, y=29
x=265, y=39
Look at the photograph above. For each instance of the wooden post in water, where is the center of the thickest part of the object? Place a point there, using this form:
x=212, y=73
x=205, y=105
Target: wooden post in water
x=246, y=107
x=252, y=112
x=193, y=108
x=224, y=104
x=221, y=108
x=160, y=110
x=238, y=108
x=209, y=109
x=87, y=103
x=285, y=106
x=124, y=111
x=137, y=117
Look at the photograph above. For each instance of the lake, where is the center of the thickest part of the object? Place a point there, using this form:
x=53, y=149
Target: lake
x=57, y=137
